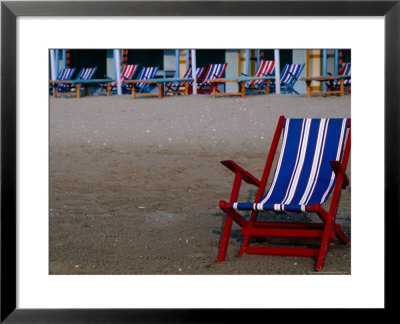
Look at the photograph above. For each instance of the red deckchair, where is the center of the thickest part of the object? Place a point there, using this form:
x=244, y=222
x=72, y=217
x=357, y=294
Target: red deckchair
x=311, y=165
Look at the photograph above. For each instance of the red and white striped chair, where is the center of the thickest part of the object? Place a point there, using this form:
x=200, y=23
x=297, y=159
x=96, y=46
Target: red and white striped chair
x=127, y=72
x=265, y=69
x=214, y=71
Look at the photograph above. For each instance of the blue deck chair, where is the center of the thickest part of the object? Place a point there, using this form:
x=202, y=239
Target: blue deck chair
x=146, y=73
x=85, y=74
x=347, y=82
x=175, y=86
x=214, y=71
x=311, y=165
x=289, y=76
x=65, y=74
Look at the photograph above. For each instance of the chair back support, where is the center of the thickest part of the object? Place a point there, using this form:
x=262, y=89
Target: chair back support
x=146, y=73
x=347, y=71
x=188, y=74
x=291, y=73
x=86, y=73
x=303, y=175
x=265, y=69
x=66, y=74
x=127, y=72
x=214, y=71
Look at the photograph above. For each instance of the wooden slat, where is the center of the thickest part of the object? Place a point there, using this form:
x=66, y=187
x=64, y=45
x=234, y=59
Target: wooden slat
x=271, y=250
x=280, y=232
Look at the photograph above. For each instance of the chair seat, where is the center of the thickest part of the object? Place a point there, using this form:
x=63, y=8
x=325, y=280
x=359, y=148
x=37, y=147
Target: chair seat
x=292, y=208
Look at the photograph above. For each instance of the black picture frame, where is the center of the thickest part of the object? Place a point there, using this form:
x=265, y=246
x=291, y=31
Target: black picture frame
x=10, y=10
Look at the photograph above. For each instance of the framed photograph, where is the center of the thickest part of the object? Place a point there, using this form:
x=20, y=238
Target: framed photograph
x=43, y=278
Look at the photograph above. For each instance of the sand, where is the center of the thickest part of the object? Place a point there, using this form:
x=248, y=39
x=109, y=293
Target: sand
x=135, y=185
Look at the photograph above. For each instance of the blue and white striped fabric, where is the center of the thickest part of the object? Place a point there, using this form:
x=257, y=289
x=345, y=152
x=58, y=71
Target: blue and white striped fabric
x=214, y=71
x=188, y=74
x=86, y=73
x=303, y=174
x=145, y=74
x=346, y=71
x=65, y=75
x=291, y=73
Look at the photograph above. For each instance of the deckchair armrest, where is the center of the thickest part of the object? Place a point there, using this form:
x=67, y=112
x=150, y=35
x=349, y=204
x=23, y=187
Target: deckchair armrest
x=235, y=168
x=337, y=167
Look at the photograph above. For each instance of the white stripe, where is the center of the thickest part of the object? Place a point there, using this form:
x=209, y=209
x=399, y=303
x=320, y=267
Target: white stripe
x=299, y=167
x=278, y=167
x=339, y=150
x=319, y=164
x=316, y=160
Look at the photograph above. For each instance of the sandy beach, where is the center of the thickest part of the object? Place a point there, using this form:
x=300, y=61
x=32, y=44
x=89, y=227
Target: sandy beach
x=135, y=184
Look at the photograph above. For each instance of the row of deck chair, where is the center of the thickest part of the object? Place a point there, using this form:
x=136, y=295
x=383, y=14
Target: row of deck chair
x=288, y=78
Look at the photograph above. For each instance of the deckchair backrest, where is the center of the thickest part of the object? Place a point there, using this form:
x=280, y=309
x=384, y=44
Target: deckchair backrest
x=347, y=69
x=303, y=174
x=199, y=72
x=215, y=71
x=147, y=72
x=188, y=74
x=291, y=73
x=86, y=73
x=66, y=74
x=265, y=68
x=127, y=71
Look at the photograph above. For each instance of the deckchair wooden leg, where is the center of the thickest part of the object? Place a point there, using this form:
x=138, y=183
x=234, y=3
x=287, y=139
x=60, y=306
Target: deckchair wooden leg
x=223, y=248
x=108, y=89
x=267, y=87
x=78, y=91
x=342, y=87
x=133, y=91
x=325, y=243
x=186, y=88
x=214, y=91
x=229, y=218
x=247, y=238
x=330, y=223
x=55, y=91
x=160, y=92
x=241, y=89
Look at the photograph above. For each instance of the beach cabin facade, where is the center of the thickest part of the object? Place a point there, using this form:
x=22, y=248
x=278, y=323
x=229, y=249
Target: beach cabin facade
x=174, y=63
